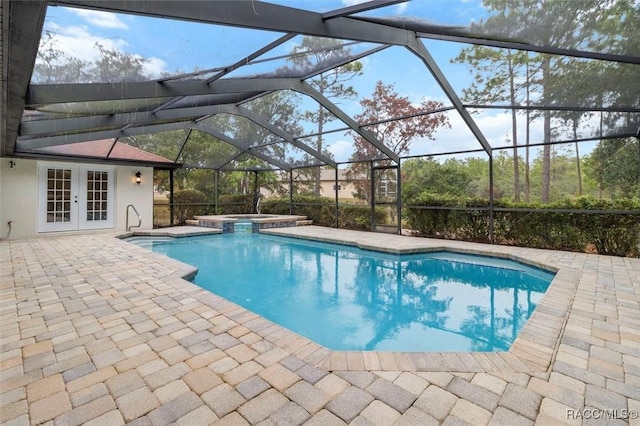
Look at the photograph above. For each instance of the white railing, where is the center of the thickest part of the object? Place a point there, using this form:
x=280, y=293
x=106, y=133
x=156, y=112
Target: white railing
x=137, y=214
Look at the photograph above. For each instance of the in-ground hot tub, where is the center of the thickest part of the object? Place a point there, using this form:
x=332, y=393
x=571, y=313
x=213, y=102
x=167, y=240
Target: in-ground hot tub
x=227, y=222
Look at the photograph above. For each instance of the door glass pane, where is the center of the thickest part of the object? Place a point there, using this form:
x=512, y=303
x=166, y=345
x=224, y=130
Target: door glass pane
x=97, y=189
x=59, y=200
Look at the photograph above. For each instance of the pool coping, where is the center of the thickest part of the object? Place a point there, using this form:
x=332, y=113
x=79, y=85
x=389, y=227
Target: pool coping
x=173, y=232
x=533, y=350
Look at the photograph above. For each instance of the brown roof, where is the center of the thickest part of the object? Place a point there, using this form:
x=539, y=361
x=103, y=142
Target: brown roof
x=100, y=149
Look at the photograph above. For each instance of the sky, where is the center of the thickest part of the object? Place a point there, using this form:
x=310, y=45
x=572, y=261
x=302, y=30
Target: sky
x=177, y=46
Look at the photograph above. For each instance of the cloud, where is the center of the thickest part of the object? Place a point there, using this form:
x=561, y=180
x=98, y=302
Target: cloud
x=154, y=67
x=402, y=8
x=101, y=19
x=341, y=149
x=78, y=42
x=399, y=9
x=348, y=3
x=494, y=125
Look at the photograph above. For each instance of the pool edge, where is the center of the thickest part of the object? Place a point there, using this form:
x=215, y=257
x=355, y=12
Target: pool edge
x=533, y=350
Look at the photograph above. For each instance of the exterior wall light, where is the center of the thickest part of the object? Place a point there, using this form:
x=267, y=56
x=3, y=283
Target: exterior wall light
x=138, y=178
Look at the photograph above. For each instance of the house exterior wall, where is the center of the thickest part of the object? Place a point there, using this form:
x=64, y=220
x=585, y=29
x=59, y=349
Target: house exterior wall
x=19, y=197
x=346, y=191
x=127, y=192
x=327, y=181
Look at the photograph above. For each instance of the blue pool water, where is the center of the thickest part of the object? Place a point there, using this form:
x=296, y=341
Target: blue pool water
x=350, y=299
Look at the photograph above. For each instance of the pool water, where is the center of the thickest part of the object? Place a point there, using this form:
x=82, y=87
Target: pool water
x=345, y=298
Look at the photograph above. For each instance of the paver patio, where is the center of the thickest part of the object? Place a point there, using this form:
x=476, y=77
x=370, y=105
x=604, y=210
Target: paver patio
x=102, y=332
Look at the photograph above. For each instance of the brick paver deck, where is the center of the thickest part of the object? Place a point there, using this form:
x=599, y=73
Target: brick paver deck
x=97, y=331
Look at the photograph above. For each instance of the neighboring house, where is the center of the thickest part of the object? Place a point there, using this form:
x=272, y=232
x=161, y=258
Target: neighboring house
x=77, y=187
x=346, y=188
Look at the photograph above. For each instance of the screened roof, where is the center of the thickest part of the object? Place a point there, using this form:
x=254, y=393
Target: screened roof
x=282, y=84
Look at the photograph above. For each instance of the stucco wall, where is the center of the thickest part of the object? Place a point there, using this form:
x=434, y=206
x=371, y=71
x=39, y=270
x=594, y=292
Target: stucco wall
x=127, y=192
x=19, y=197
x=347, y=188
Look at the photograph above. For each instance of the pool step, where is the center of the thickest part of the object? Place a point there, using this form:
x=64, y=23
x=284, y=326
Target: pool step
x=304, y=222
x=146, y=242
x=191, y=222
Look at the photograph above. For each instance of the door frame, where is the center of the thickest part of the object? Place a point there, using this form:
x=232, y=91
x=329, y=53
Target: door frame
x=79, y=197
x=392, y=203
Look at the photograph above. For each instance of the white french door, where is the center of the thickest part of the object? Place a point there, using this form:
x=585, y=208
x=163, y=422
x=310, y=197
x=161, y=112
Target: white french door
x=75, y=197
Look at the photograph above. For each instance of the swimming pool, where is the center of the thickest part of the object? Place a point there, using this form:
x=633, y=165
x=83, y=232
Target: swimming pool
x=345, y=298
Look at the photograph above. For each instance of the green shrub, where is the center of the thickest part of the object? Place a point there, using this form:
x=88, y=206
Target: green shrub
x=471, y=224
x=319, y=209
x=275, y=206
x=322, y=211
x=235, y=204
x=607, y=233
x=187, y=204
x=358, y=217
x=617, y=234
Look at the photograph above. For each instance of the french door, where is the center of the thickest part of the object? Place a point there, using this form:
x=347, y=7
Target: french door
x=75, y=197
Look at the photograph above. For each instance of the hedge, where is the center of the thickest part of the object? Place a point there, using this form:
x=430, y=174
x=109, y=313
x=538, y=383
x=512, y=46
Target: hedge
x=608, y=233
x=235, y=204
x=187, y=204
x=322, y=211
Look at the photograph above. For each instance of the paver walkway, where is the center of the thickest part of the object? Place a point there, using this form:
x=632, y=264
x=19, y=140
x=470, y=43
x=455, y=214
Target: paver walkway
x=97, y=331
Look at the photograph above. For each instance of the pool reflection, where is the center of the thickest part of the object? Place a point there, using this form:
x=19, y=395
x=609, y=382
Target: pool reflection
x=349, y=299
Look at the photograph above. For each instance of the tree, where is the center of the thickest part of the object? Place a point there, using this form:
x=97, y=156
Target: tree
x=600, y=25
x=116, y=66
x=277, y=108
x=571, y=27
x=165, y=144
x=388, y=109
x=420, y=176
x=495, y=74
x=333, y=84
x=565, y=92
x=469, y=177
x=615, y=165
x=53, y=66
